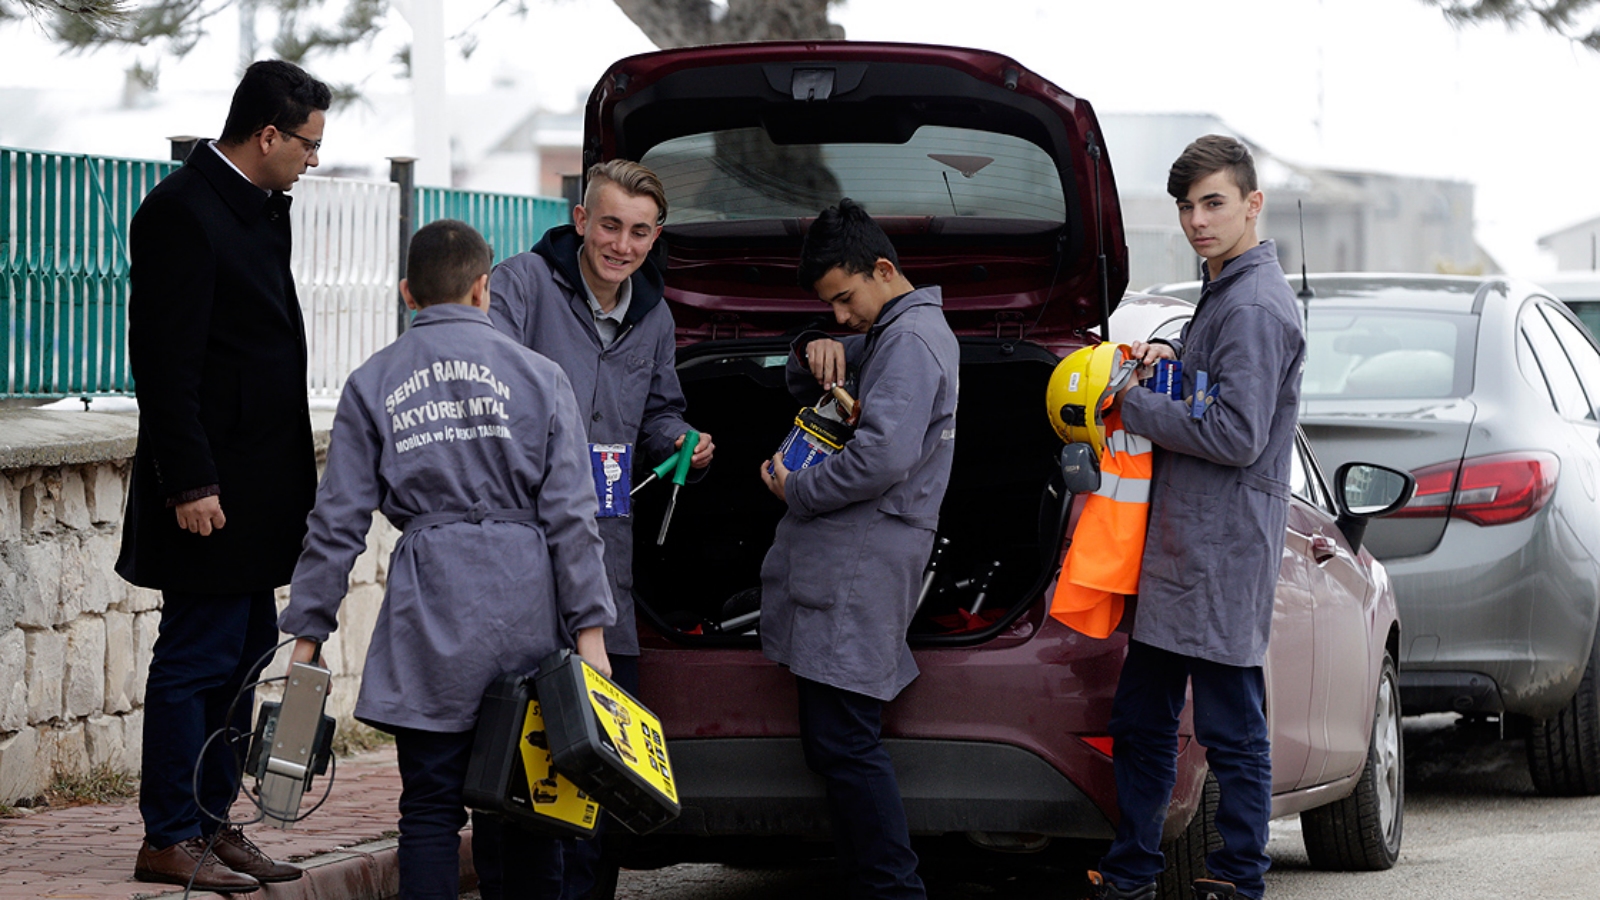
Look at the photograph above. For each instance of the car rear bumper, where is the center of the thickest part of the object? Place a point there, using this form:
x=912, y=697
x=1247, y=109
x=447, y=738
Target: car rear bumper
x=1510, y=630
x=1463, y=692
x=761, y=787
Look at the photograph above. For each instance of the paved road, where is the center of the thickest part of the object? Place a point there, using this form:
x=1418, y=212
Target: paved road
x=1474, y=828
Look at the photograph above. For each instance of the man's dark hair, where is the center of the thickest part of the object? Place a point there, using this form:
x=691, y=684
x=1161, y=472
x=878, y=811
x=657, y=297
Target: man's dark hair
x=446, y=257
x=1212, y=153
x=843, y=236
x=273, y=92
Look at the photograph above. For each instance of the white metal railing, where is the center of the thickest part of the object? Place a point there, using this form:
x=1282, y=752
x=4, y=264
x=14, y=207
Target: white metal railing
x=345, y=262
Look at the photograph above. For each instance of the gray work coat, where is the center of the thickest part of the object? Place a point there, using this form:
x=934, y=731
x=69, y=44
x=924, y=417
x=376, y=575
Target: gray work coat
x=472, y=446
x=840, y=584
x=1219, y=496
x=627, y=393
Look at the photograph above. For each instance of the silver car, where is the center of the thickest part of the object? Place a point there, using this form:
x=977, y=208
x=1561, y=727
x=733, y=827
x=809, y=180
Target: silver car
x=1488, y=391
x=1580, y=291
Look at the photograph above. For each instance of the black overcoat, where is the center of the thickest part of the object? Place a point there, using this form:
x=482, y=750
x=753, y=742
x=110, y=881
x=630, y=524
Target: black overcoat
x=218, y=351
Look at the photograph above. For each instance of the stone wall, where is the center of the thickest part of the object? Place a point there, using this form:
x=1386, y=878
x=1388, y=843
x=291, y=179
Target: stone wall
x=75, y=639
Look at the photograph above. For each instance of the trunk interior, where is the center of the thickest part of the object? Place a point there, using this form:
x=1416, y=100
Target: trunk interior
x=1001, y=514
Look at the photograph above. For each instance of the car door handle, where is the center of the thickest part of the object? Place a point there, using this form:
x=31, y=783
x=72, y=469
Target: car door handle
x=1323, y=548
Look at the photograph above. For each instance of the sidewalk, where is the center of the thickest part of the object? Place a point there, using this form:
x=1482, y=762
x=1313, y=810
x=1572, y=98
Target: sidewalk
x=347, y=847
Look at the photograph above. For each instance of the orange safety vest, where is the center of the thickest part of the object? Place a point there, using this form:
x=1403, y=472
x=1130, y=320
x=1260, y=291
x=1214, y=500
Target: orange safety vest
x=1102, y=562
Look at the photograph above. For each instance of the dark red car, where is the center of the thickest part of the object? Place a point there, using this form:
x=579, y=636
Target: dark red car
x=996, y=185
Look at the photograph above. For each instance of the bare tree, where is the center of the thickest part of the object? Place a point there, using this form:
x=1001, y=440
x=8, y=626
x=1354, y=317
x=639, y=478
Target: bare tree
x=1572, y=19
x=181, y=23
x=176, y=26
x=682, y=23
x=85, y=10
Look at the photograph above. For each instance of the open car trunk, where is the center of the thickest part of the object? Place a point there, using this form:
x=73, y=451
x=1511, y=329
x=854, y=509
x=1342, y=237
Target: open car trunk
x=1002, y=512
x=990, y=181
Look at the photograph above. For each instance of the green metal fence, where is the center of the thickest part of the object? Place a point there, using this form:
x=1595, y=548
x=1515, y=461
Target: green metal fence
x=511, y=224
x=64, y=262
x=63, y=270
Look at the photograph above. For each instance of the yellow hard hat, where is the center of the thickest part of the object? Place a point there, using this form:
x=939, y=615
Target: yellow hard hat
x=1081, y=390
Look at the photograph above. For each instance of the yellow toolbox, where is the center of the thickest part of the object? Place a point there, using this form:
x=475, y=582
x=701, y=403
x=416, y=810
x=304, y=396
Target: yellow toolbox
x=511, y=771
x=606, y=742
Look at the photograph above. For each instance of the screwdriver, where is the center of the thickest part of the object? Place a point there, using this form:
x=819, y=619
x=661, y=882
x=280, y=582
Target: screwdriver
x=666, y=466
x=680, y=474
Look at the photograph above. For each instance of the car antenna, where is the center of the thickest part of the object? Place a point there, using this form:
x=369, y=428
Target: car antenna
x=1305, y=293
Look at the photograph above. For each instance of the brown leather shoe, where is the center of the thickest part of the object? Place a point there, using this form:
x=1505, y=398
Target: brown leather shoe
x=176, y=864
x=240, y=854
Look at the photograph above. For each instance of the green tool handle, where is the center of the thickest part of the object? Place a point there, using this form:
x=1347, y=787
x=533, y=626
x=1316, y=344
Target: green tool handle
x=691, y=440
x=662, y=470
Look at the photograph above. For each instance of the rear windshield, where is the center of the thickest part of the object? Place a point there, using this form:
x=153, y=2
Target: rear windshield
x=1381, y=354
x=941, y=171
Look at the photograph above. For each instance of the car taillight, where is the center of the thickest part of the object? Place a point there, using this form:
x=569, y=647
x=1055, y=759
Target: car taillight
x=1435, y=486
x=1486, y=490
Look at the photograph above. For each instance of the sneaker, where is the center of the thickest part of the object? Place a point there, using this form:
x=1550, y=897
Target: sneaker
x=240, y=854
x=1100, y=888
x=184, y=860
x=1211, y=889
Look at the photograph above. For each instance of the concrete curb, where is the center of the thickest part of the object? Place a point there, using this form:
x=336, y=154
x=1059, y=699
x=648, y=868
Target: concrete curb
x=366, y=872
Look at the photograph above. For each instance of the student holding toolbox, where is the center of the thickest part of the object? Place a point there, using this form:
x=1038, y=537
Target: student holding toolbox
x=474, y=447
x=589, y=297
x=840, y=584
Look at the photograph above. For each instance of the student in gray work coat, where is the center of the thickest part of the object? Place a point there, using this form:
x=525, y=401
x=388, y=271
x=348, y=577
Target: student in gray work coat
x=839, y=586
x=589, y=297
x=1218, y=508
x=473, y=447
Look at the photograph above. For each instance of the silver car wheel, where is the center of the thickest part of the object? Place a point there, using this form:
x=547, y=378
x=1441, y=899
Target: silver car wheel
x=1362, y=832
x=1387, y=754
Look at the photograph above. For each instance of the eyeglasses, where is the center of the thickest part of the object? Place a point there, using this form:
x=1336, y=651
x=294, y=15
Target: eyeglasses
x=313, y=145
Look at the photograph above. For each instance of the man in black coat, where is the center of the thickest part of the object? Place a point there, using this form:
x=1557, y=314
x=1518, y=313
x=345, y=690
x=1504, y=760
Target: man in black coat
x=225, y=471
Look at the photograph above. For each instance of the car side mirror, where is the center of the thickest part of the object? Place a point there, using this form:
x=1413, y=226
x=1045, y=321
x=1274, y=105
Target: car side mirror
x=1368, y=491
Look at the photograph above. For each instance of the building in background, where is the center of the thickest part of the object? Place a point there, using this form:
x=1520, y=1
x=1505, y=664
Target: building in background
x=1576, y=247
x=1354, y=221
x=500, y=140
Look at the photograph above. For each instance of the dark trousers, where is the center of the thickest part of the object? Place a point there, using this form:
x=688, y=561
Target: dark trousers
x=840, y=732
x=580, y=857
x=206, y=650
x=1230, y=722
x=433, y=770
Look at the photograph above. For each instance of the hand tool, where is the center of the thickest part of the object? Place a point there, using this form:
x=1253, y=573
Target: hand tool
x=846, y=403
x=680, y=474
x=665, y=468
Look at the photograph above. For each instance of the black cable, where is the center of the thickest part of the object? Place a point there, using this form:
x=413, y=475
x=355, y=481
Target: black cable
x=211, y=844
x=233, y=707
x=233, y=736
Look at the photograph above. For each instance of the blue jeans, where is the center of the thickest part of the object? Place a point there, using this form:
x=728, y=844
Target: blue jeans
x=206, y=650
x=433, y=770
x=840, y=732
x=1230, y=722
